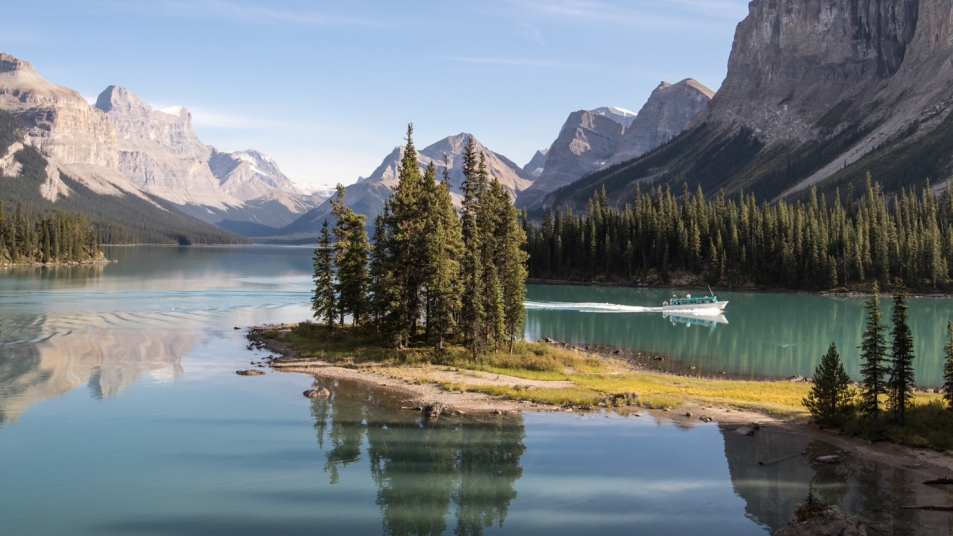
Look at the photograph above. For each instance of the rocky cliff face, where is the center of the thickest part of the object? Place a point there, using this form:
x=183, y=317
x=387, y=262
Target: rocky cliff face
x=160, y=152
x=665, y=115
x=792, y=62
x=77, y=138
x=585, y=144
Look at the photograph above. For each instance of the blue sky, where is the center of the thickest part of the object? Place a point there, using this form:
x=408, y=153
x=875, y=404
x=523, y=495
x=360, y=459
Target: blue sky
x=327, y=88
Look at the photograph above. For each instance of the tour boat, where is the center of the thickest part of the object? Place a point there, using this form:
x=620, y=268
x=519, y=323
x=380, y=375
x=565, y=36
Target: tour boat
x=702, y=305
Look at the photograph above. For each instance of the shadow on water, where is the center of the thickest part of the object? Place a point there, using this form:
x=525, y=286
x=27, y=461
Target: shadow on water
x=425, y=470
x=773, y=470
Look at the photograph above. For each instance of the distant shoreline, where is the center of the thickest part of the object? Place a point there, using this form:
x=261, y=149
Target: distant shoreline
x=675, y=286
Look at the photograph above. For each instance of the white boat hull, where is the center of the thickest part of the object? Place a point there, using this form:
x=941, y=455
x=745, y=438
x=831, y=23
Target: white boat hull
x=696, y=308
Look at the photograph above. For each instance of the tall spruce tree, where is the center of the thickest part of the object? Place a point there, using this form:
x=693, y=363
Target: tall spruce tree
x=383, y=292
x=324, y=297
x=510, y=260
x=873, y=355
x=407, y=246
x=351, y=258
x=473, y=312
x=902, y=378
x=444, y=248
x=948, y=366
x=830, y=393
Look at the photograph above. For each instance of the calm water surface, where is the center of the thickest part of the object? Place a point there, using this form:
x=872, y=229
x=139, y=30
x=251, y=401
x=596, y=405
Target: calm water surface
x=120, y=413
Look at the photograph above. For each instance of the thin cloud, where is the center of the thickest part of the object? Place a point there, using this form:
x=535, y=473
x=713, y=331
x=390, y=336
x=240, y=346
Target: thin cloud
x=507, y=61
x=530, y=32
x=645, y=15
x=222, y=10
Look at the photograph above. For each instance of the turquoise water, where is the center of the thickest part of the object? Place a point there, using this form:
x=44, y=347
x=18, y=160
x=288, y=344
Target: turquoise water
x=760, y=334
x=120, y=413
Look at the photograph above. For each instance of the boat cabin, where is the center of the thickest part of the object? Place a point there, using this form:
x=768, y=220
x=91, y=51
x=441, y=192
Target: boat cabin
x=688, y=300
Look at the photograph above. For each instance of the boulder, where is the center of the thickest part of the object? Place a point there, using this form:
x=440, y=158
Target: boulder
x=250, y=372
x=433, y=410
x=829, y=460
x=830, y=522
x=321, y=392
x=745, y=431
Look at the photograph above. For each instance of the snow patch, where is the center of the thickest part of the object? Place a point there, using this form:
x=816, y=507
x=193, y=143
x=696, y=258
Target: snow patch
x=173, y=110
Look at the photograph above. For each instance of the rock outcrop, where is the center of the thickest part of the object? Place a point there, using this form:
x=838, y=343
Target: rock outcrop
x=665, y=115
x=830, y=522
x=585, y=144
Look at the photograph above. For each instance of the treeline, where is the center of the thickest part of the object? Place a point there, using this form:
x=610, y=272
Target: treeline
x=819, y=244
x=433, y=274
x=58, y=238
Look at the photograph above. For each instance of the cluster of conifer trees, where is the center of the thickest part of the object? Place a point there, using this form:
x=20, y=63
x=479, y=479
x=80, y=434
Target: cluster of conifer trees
x=888, y=378
x=60, y=237
x=803, y=245
x=433, y=273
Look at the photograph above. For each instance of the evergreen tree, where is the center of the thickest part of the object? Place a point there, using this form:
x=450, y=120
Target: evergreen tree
x=324, y=298
x=444, y=247
x=901, y=355
x=511, y=259
x=473, y=312
x=351, y=257
x=948, y=366
x=830, y=393
x=383, y=295
x=873, y=368
x=407, y=247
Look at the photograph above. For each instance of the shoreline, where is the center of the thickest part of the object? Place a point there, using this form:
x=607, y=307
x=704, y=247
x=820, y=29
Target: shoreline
x=408, y=385
x=57, y=264
x=675, y=286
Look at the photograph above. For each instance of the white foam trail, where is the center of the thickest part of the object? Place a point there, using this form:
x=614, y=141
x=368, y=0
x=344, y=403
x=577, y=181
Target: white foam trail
x=589, y=307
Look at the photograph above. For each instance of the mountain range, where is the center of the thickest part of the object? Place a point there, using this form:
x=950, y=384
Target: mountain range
x=123, y=148
x=815, y=96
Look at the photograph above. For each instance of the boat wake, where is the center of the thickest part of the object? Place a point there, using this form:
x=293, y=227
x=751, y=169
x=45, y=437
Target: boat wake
x=589, y=307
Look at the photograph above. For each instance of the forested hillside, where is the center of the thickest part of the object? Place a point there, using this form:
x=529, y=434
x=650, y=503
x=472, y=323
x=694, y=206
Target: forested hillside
x=57, y=239
x=817, y=244
x=118, y=219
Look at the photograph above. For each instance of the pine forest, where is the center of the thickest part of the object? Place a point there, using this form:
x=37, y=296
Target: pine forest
x=818, y=244
x=59, y=238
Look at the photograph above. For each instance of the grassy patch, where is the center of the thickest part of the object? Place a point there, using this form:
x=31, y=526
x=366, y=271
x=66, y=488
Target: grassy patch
x=929, y=425
x=596, y=378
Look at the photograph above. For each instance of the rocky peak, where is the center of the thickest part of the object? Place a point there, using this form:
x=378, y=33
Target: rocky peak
x=665, y=115
x=10, y=64
x=249, y=174
x=619, y=115
x=536, y=165
x=585, y=144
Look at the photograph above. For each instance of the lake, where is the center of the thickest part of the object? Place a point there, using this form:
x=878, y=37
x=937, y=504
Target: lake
x=120, y=413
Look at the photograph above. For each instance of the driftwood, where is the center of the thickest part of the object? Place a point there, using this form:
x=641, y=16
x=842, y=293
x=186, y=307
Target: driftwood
x=940, y=481
x=940, y=508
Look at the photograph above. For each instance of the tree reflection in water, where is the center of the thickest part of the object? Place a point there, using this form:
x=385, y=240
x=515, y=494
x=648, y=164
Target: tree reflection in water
x=424, y=469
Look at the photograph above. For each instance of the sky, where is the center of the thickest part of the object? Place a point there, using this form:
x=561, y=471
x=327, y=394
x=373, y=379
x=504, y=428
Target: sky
x=328, y=88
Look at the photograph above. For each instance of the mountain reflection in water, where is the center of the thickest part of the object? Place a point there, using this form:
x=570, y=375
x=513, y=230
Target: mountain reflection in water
x=107, y=360
x=423, y=469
